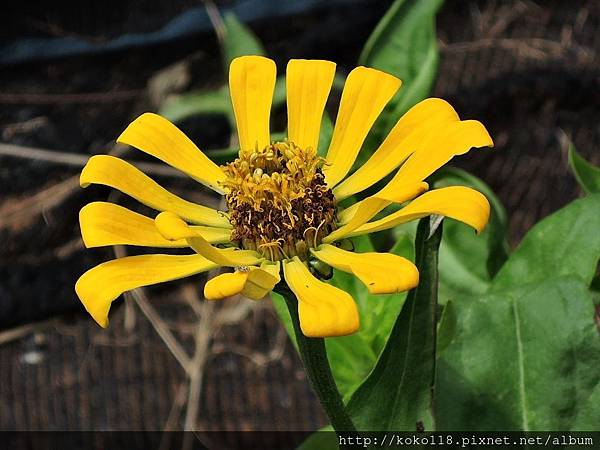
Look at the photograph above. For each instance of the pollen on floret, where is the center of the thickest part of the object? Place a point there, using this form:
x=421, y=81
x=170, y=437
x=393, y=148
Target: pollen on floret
x=278, y=201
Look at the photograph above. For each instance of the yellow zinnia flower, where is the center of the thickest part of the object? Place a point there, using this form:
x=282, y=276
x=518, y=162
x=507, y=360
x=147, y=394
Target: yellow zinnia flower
x=283, y=210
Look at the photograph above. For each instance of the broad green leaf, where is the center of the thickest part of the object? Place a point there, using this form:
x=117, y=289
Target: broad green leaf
x=565, y=243
x=404, y=44
x=194, y=103
x=446, y=327
x=588, y=413
x=587, y=175
x=525, y=355
x=238, y=40
x=525, y=358
x=323, y=439
x=397, y=394
x=325, y=135
x=468, y=262
x=352, y=357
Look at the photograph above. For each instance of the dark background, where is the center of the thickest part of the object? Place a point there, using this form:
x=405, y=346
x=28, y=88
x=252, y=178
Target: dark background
x=528, y=70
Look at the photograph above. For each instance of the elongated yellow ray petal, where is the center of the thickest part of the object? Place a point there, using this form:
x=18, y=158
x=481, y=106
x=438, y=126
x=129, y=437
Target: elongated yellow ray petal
x=251, y=84
x=457, y=202
x=104, y=223
x=365, y=94
x=158, y=137
x=405, y=138
x=369, y=207
x=100, y=286
x=253, y=283
x=308, y=83
x=118, y=174
x=173, y=228
x=324, y=310
x=455, y=138
x=382, y=273
x=212, y=234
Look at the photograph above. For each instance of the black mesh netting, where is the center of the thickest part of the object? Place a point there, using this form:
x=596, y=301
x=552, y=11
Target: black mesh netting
x=528, y=70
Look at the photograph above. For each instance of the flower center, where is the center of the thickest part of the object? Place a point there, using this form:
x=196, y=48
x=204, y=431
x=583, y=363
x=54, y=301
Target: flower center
x=278, y=201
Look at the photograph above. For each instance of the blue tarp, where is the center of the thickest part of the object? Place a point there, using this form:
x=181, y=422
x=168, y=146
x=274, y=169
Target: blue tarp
x=191, y=21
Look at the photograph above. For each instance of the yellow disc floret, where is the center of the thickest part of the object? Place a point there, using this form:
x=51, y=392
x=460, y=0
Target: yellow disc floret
x=278, y=201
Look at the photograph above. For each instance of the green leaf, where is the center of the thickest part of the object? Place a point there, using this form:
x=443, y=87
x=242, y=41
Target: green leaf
x=352, y=357
x=404, y=44
x=238, y=40
x=587, y=175
x=468, y=261
x=525, y=355
x=218, y=101
x=565, y=243
x=325, y=135
x=525, y=358
x=281, y=309
x=193, y=103
x=446, y=327
x=398, y=392
x=323, y=439
x=279, y=93
x=224, y=155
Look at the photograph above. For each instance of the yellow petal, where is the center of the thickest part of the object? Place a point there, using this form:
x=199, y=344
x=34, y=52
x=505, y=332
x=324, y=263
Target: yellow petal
x=173, y=228
x=453, y=139
x=404, y=139
x=382, y=273
x=212, y=234
x=308, y=83
x=118, y=174
x=457, y=202
x=252, y=282
x=100, y=286
x=363, y=211
x=251, y=84
x=365, y=94
x=225, y=285
x=105, y=223
x=158, y=137
x=324, y=310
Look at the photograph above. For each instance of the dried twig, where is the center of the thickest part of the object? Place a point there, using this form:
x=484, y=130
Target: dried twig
x=178, y=403
x=216, y=20
x=161, y=328
x=14, y=213
x=258, y=358
x=77, y=160
x=26, y=126
x=533, y=47
x=204, y=334
x=24, y=330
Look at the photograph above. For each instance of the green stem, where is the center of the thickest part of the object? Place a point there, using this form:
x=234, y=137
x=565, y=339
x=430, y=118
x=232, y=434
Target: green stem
x=314, y=356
